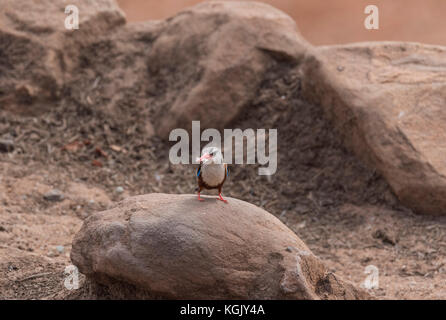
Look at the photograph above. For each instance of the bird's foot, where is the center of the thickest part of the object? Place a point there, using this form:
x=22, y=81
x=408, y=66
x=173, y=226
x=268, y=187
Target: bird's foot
x=199, y=198
x=221, y=199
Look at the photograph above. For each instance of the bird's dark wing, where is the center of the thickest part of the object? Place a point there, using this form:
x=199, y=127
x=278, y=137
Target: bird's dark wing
x=199, y=170
x=227, y=170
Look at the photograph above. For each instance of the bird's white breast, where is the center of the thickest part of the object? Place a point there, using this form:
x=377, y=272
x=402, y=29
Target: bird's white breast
x=213, y=174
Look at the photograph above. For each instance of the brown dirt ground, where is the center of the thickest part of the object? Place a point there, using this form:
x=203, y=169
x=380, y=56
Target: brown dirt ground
x=345, y=212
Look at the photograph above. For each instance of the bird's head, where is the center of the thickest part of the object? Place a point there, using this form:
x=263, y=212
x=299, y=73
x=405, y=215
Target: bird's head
x=211, y=155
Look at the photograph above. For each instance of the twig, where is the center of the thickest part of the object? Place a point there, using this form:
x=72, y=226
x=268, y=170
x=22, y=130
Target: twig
x=34, y=276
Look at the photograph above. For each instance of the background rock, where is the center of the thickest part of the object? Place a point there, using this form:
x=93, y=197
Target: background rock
x=173, y=246
x=209, y=59
x=37, y=51
x=387, y=102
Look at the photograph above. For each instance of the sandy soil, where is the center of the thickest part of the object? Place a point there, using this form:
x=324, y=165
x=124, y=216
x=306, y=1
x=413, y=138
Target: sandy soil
x=333, y=21
x=345, y=212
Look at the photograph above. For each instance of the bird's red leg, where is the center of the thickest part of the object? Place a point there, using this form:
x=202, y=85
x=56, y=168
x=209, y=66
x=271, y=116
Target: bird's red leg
x=199, y=199
x=221, y=198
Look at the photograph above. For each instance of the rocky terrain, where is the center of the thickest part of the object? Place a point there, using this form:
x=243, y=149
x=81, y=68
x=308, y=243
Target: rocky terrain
x=84, y=124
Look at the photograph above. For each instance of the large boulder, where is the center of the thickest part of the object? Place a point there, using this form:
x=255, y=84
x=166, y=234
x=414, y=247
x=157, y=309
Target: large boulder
x=37, y=52
x=387, y=100
x=173, y=246
x=208, y=61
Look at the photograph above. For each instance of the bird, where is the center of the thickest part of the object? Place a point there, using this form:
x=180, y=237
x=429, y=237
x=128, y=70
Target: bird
x=212, y=172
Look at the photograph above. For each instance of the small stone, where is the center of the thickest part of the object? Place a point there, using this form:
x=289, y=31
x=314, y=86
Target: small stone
x=366, y=260
x=12, y=267
x=301, y=225
x=34, y=136
x=91, y=202
x=60, y=249
x=119, y=189
x=54, y=195
x=6, y=145
x=326, y=202
x=385, y=236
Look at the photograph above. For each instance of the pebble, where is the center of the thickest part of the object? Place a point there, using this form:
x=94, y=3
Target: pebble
x=6, y=145
x=387, y=237
x=326, y=202
x=119, y=189
x=54, y=195
x=12, y=267
x=60, y=249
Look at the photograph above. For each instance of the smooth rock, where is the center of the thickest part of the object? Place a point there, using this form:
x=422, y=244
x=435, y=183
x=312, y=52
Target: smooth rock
x=388, y=105
x=173, y=246
x=54, y=195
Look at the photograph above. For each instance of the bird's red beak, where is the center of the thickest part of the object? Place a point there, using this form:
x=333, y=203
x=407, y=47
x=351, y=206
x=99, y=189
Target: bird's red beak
x=205, y=156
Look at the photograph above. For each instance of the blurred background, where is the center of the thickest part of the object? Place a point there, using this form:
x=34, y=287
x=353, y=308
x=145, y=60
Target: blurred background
x=333, y=21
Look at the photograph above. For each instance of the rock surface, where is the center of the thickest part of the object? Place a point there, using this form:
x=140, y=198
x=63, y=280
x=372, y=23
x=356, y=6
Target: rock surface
x=173, y=246
x=387, y=100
